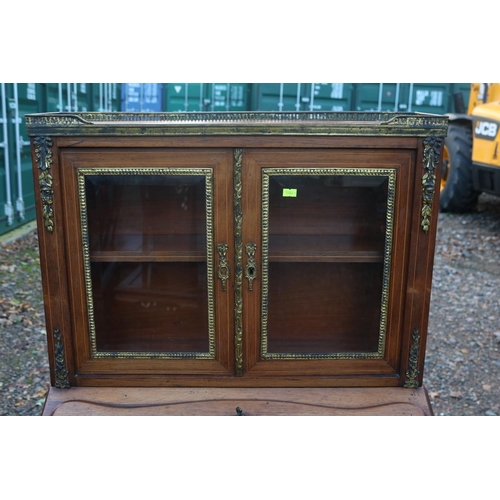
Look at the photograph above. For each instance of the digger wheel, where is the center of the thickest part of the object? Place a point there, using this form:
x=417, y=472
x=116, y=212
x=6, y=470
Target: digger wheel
x=457, y=190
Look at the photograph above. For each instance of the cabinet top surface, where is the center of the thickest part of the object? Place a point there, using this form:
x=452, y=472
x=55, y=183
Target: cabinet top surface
x=246, y=123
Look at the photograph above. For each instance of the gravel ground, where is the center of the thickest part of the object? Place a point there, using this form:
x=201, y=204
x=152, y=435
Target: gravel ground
x=24, y=367
x=462, y=372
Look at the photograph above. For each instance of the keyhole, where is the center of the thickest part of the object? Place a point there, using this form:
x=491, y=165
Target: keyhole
x=251, y=271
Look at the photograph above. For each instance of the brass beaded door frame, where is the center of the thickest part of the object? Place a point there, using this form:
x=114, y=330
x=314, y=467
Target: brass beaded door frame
x=207, y=173
x=390, y=174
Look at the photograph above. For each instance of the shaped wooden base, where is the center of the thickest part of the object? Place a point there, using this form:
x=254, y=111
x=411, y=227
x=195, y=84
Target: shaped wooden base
x=115, y=401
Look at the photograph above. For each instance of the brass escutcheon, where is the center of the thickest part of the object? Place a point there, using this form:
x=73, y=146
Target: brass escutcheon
x=251, y=267
x=223, y=271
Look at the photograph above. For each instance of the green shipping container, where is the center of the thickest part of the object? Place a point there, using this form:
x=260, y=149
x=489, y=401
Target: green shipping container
x=419, y=97
x=434, y=98
x=16, y=179
x=182, y=97
x=227, y=96
x=17, y=199
x=52, y=97
x=301, y=97
x=378, y=97
x=68, y=97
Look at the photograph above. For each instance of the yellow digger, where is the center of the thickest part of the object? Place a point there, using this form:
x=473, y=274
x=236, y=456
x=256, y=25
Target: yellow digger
x=471, y=156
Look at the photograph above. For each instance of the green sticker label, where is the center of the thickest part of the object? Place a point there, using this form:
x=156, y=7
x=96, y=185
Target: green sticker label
x=290, y=193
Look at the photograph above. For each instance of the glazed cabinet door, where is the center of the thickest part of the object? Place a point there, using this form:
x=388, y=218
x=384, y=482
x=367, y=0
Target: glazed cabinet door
x=325, y=236
x=151, y=264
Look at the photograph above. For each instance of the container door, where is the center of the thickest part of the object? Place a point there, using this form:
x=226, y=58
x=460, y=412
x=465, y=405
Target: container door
x=182, y=97
x=18, y=207
x=380, y=97
x=226, y=96
x=436, y=98
x=146, y=97
x=327, y=96
x=301, y=96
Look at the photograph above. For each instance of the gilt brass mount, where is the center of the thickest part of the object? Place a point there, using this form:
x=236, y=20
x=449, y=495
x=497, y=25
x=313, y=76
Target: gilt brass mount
x=251, y=267
x=223, y=271
x=61, y=372
x=238, y=263
x=431, y=158
x=413, y=372
x=43, y=156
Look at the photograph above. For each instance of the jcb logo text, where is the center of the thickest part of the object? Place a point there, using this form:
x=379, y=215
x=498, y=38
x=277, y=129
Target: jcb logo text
x=487, y=130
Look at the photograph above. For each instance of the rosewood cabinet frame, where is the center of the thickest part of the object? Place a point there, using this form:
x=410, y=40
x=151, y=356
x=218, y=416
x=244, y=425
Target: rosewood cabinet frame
x=242, y=157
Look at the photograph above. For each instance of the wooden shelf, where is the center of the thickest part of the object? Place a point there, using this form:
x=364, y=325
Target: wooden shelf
x=160, y=307
x=152, y=248
x=321, y=248
x=144, y=342
x=147, y=257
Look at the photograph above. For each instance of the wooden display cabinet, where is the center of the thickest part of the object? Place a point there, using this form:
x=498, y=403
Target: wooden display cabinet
x=242, y=257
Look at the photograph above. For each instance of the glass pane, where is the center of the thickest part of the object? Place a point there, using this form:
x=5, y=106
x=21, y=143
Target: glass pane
x=326, y=253
x=146, y=214
x=147, y=260
x=323, y=307
x=326, y=215
x=150, y=307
